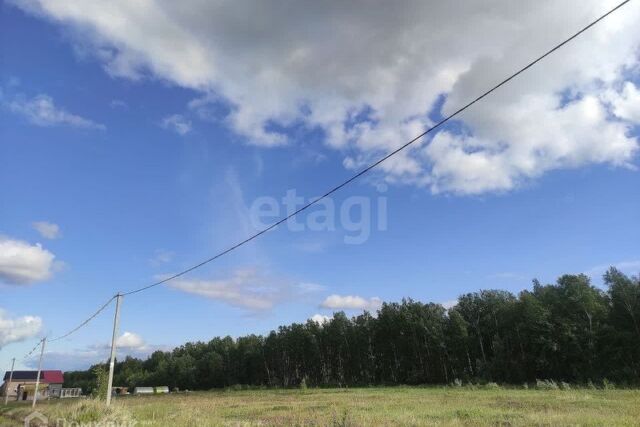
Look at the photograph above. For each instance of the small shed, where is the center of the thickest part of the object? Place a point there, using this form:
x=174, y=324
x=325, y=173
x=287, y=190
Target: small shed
x=66, y=393
x=143, y=390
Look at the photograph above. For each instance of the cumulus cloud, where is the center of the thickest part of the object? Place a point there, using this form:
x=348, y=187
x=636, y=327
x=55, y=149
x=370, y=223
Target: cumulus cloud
x=42, y=111
x=247, y=288
x=177, y=123
x=320, y=319
x=17, y=329
x=351, y=302
x=47, y=230
x=626, y=104
x=369, y=75
x=130, y=340
x=22, y=263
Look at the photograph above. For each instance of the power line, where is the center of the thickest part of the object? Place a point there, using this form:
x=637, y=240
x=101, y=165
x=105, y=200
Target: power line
x=33, y=349
x=93, y=316
x=89, y=319
x=384, y=158
x=348, y=181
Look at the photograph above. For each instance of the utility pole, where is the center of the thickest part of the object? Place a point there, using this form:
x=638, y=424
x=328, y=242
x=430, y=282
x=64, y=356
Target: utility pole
x=35, y=395
x=6, y=389
x=114, y=337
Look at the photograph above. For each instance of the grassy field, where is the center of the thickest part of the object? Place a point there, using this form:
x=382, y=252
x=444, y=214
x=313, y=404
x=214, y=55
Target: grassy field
x=355, y=407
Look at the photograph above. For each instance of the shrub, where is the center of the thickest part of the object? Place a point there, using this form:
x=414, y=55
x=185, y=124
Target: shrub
x=457, y=382
x=565, y=386
x=102, y=382
x=491, y=386
x=608, y=385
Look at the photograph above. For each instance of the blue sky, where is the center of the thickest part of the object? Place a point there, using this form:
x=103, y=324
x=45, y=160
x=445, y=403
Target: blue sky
x=145, y=172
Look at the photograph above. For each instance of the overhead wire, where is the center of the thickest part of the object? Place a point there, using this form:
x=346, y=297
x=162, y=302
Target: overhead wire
x=26, y=356
x=385, y=157
x=437, y=125
x=89, y=319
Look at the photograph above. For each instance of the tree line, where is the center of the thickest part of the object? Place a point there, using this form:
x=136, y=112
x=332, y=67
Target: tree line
x=569, y=331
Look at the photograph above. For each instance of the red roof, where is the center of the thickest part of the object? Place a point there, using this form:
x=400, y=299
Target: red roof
x=52, y=377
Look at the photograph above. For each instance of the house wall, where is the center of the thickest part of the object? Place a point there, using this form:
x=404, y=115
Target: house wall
x=55, y=390
x=44, y=390
x=12, y=387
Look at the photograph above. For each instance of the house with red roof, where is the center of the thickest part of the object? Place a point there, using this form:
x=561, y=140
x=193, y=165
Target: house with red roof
x=22, y=384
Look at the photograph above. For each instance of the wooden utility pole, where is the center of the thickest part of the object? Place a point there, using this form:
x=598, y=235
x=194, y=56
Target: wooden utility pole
x=35, y=395
x=6, y=389
x=114, y=337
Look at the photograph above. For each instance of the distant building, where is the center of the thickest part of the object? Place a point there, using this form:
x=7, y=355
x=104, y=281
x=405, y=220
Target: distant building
x=151, y=390
x=23, y=384
x=71, y=392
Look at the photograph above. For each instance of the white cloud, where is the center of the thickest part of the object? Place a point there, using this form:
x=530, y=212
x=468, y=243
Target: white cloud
x=351, y=302
x=177, y=123
x=367, y=75
x=320, y=319
x=47, y=230
x=247, y=288
x=23, y=263
x=17, y=329
x=42, y=111
x=130, y=340
x=473, y=164
x=626, y=104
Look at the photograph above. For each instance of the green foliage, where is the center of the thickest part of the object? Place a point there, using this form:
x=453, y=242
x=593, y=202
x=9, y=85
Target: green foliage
x=101, y=374
x=567, y=332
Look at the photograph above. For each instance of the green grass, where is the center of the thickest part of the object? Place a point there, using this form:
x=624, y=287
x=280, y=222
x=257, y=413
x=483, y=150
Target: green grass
x=361, y=407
